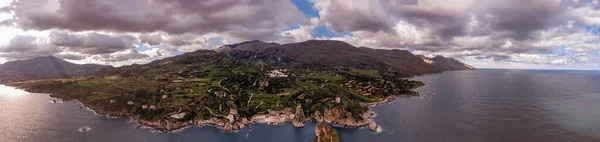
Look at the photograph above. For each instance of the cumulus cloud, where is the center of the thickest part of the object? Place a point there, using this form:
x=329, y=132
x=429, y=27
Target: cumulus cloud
x=354, y=15
x=91, y=43
x=240, y=18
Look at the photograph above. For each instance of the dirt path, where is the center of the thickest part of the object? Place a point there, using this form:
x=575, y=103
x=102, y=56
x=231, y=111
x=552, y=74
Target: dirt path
x=261, y=102
x=222, y=86
x=211, y=112
x=251, y=95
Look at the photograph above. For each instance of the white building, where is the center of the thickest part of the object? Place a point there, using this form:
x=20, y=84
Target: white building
x=277, y=73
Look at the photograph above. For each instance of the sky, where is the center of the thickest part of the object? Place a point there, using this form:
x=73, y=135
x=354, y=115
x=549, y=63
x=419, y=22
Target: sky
x=515, y=34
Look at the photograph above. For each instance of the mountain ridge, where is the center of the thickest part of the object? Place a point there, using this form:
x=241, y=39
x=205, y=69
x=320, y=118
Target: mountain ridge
x=339, y=53
x=43, y=68
x=310, y=53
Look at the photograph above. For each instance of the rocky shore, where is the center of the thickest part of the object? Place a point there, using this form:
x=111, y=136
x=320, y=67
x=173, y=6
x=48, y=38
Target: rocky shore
x=329, y=116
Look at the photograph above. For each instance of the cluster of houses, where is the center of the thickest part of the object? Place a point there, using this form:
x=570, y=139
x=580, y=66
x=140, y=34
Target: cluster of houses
x=369, y=88
x=365, y=89
x=273, y=118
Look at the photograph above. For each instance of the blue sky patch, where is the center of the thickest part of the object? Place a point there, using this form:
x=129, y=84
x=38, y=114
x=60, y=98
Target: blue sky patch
x=306, y=8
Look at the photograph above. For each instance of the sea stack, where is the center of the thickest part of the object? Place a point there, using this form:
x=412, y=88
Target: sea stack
x=373, y=126
x=299, y=117
x=325, y=133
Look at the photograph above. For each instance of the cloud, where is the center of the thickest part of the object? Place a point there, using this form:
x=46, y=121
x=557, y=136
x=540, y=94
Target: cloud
x=151, y=39
x=119, y=32
x=91, y=43
x=241, y=19
x=25, y=47
x=354, y=15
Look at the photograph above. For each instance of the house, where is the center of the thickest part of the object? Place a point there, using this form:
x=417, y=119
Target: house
x=144, y=106
x=178, y=115
x=129, y=102
x=177, y=81
x=112, y=101
x=277, y=73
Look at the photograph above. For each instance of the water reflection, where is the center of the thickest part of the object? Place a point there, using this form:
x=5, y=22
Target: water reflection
x=6, y=91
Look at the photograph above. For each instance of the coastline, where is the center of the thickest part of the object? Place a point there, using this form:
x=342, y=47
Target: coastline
x=166, y=126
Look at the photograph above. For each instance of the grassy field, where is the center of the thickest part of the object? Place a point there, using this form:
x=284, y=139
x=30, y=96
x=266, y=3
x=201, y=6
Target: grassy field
x=371, y=73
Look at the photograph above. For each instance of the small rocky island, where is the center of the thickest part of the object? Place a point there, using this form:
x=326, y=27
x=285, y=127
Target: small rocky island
x=241, y=84
x=325, y=133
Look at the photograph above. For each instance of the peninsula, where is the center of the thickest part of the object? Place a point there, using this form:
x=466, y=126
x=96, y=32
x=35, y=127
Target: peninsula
x=250, y=82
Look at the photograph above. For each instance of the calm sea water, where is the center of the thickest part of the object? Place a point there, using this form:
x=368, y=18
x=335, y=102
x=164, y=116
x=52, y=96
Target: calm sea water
x=482, y=105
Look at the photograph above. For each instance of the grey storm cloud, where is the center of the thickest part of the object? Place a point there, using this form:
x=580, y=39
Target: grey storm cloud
x=78, y=45
x=344, y=18
x=579, y=3
x=91, y=43
x=25, y=47
x=520, y=21
x=521, y=18
x=515, y=19
x=150, y=39
x=170, y=16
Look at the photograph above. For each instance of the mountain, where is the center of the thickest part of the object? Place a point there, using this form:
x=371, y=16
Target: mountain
x=338, y=53
x=253, y=45
x=43, y=68
x=307, y=54
x=444, y=63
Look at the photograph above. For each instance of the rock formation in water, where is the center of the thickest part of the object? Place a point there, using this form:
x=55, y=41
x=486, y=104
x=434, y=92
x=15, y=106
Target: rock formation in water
x=373, y=126
x=325, y=133
x=299, y=117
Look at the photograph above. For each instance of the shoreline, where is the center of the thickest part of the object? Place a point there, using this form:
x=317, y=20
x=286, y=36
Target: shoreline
x=166, y=126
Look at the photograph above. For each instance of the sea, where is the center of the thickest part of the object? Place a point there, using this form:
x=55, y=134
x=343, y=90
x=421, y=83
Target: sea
x=455, y=106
